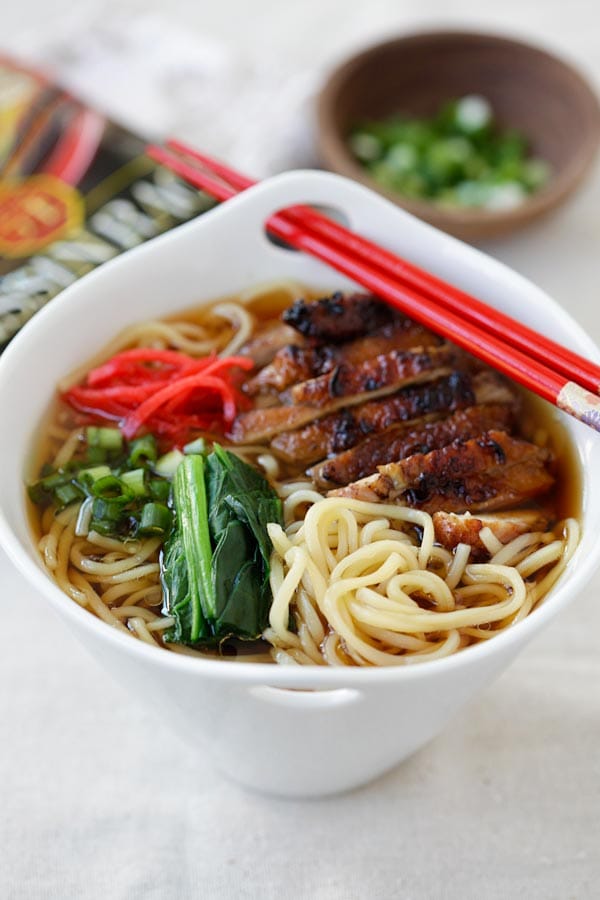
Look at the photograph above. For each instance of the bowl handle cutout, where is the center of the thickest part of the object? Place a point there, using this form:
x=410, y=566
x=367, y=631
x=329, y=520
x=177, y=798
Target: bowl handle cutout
x=344, y=200
x=305, y=699
x=331, y=212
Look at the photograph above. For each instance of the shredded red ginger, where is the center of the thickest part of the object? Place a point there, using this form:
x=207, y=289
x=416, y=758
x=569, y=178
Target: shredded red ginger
x=165, y=392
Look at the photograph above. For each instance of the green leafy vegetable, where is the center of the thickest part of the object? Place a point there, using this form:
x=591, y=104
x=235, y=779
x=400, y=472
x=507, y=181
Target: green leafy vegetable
x=212, y=518
x=216, y=563
x=189, y=496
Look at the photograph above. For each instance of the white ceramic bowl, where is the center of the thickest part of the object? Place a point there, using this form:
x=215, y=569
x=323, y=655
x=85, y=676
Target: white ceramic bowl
x=337, y=728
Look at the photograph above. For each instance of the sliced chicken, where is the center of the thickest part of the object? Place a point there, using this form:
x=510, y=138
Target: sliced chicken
x=339, y=317
x=293, y=363
x=342, y=430
x=378, y=376
x=263, y=424
x=263, y=348
x=406, y=369
x=492, y=471
x=403, y=440
x=452, y=529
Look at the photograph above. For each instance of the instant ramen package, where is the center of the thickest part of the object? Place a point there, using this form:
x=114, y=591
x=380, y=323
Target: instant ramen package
x=75, y=191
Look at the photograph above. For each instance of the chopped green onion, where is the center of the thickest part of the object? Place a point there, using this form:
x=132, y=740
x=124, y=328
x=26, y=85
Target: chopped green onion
x=167, y=465
x=96, y=455
x=90, y=476
x=472, y=114
x=366, y=147
x=112, y=488
x=68, y=493
x=112, y=495
x=156, y=519
x=44, y=490
x=51, y=482
x=143, y=450
x=38, y=494
x=197, y=446
x=159, y=489
x=106, y=527
x=106, y=438
x=135, y=481
x=459, y=157
x=106, y=510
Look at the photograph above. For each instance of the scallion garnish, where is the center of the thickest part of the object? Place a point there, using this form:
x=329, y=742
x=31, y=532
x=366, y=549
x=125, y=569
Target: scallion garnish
x=167, y=464
x=105, y=438
x=197, y=446
x=90, y=476
x=68, y=493
x=135, y=481
x=458, y=158
x=143, y=450
x=112, y=488
x=117, y=498
x=156, y=518
x=107, y=508
x=159, y=489
x=97, y=455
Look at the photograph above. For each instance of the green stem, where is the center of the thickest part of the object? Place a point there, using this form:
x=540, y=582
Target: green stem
x=190, y=503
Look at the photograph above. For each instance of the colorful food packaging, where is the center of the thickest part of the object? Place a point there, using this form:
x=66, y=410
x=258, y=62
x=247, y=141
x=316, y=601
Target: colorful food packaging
x=76, y=190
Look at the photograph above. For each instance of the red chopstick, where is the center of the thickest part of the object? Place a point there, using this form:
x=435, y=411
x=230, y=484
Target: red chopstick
x=490, y=338
x=495, y=322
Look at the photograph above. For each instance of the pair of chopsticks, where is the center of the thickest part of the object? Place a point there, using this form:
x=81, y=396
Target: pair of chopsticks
x=553, y=372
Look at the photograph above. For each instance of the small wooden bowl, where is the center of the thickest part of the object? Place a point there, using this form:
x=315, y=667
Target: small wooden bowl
x=529, y=90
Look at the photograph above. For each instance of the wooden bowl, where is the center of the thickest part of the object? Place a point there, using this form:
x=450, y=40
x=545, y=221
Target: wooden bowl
x=528, y=88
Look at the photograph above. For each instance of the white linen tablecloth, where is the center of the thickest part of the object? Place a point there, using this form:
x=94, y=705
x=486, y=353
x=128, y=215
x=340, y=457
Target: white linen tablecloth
x=97, y=800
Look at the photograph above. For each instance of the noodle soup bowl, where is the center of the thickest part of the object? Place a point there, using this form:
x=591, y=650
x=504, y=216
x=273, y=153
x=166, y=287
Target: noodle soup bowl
x=289, y=730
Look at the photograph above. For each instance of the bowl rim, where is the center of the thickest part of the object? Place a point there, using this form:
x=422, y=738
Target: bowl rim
x=336, y=154
x=301, y=677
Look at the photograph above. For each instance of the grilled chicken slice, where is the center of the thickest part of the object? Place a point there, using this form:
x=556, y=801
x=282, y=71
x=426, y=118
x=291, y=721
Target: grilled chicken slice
x=342, y=430
x=406, y=369
x=452, y=529
x=339, y=317
x=403, y=440
x=294, y=363
x=264, y=347
x=378, y=376
x=263, y=424
x=423, y=403
x=492, y=471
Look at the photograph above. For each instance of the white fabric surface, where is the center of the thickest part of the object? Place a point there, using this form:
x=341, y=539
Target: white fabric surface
x=98, y=801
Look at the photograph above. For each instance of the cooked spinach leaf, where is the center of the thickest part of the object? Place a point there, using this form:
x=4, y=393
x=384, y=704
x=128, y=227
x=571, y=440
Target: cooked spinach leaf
x=216, y=564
